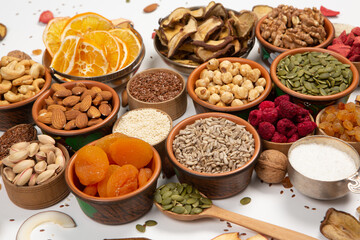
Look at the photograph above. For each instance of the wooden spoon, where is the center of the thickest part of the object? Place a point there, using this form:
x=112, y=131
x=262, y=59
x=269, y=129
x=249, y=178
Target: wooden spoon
x=250, y=223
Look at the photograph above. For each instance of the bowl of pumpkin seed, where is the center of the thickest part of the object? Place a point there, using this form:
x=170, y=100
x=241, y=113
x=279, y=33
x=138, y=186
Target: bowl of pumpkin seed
x=314, y=77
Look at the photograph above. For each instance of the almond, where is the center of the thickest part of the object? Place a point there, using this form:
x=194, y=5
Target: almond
x=71, y=101
x=70, y=125
x=96, y=89
x=106, y=95
x=71, y=114
x=94, y=121
x=63, y=93
x=85, y=103
x=45, y=117
x=56, y=106
x=57, y=100
x=58, y=119
x=57, y=86
x=49, y=101
x=105, y=109
x=77, y=106
x=88, y=92
x=124, y=98
x=80, y=84
x=150, y=8
x=93, y=112
x=78, y=90
x=97, y=100
x=42, y=111
x=81, y=120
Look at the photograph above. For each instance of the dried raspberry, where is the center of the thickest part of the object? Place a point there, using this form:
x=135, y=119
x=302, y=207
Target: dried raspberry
x=293, y=138
x=266, y=130
x=279, y=138
x=266, y=104
x=46, y=16
x=281, y=98
x=255, y=117
x=270, y=115
x=286, y=127
x=305, y=128
x=288, y=109
x=302, y=115
x=153, y=35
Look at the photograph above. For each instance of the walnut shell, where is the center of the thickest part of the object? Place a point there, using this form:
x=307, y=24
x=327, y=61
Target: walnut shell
x=271, y=166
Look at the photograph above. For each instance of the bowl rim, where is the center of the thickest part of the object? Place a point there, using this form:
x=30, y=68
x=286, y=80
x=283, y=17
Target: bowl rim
x=139, y=109
x=47, y=78
x=99, y=200
x=264, y=73
x=155, y=70
x=277, y=82
x=327, y=24
x=181, y=125
x=46, y=128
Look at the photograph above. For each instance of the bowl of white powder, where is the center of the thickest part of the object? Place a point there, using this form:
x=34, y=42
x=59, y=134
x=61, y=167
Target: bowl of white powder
x=324, y=167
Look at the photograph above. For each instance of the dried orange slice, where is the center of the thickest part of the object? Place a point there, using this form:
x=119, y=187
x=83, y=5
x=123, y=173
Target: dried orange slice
x=131, y=41
x=109, y=45
x=85, y=22
x=124, y=53
x=52, y=33
x=64, y=58
x=90, y=60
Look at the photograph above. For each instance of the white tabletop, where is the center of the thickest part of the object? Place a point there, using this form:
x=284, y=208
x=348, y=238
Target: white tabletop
x=267, y=202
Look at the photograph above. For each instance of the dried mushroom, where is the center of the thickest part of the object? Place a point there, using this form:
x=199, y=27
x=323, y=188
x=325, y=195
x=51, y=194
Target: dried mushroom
x=338, y=225
x=261, y=10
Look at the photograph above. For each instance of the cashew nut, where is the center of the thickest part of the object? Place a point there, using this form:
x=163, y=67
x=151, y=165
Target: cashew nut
x=12, y=97
x=4, y=102
x=26, y=63
x=5, y=86
x=38, y=84
x=29, y=94
x=24, y=80
x=13, y=70
x=26, y=88
x=5, y=60
x=37, y=70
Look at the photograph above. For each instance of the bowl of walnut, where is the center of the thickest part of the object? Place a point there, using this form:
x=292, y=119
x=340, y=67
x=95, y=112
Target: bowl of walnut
x=232, y=85
x=78, y=112
x=276, y=32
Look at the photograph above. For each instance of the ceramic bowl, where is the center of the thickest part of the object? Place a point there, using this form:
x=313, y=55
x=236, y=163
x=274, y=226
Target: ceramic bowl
x=20, y=112
x=242, y=111
x=115, y=210
x=217, y=185
x=269, y=52
x=79, y=137
x=313, y=103
x=175, y=107
x=39, y=196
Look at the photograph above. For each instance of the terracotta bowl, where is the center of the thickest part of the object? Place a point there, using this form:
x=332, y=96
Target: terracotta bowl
x=115, y=210
x=269, y=52
x=217, y=185
x=314, y=103
x=20, y=112
x=175, y=107
x=243, y=111
x=39, y=196
x=79, y=137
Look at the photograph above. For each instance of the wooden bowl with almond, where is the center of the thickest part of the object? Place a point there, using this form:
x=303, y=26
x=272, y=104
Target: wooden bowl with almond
x=78, y=112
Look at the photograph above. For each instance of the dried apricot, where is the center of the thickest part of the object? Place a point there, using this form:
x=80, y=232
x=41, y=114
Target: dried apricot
x=144, y=175
x=122, y=181
x=91, y=189
x=106, y=141
x=91, y=165
x=102, y=185
x=131, y=151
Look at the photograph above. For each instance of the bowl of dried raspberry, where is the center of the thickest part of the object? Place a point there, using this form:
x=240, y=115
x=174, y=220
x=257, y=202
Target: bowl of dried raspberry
x=280, y=123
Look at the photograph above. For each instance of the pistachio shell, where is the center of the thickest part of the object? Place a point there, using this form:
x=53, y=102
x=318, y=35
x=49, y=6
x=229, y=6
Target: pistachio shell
x=24, y=177
x=60, y=160
x=32, y=180
x=19, y=146
x=7, y=162
x=45, y=176
x=40, y=156
x=21, y=166
x=33, y=149
x=58, y=152
x=46, y=139
x=47, y=148
x=40, y=167
x=53, y=166
x=50, y=157
x=9, y=173
x=19, y=155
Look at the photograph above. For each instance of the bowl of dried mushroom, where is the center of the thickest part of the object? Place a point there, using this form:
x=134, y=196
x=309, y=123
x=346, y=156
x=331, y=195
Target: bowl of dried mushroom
x=79, y=112
x=190, y=36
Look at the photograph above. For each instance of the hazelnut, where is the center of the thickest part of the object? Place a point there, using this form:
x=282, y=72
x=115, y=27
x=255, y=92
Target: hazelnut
x=271, y=166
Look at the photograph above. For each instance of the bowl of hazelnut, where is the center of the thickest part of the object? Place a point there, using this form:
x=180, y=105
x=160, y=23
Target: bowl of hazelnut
x=306, y=28
x=232, y=85
x=78, y=112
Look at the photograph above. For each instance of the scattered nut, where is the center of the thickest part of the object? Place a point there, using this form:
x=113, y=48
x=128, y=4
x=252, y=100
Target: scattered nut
x=271, y=166
x=150, y=8
x=3, y=31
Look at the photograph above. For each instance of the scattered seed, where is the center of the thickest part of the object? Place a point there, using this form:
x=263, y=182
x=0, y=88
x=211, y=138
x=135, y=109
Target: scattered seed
x=286, y=182
x=291, y=190
x=307, y=207
x=151, y=223
x=242, y=234
x=42, y=230
x=61, y=206
x=270, y=184
x=281, y=192
x=11, y=220
x=245, y=201
x=293, y=195
x=313, y=208
x=140, y=228
x=37, y=52
x=225, y=230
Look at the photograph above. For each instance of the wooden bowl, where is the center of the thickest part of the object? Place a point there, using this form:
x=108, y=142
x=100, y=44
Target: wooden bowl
x=79, y=137
x=20, y=112
x=242, y=111
x=269, y=51
x=175, y=107
x=216, y=185
x=314, y=103
x=115, y=210
x=39, y=196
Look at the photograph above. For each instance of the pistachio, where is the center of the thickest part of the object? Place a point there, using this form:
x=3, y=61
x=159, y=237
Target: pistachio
x=45, y=176
x=53, y=166
x=23, y=177
x=40, y=156
x=19, y=146
x=32, y=180
x=9, y=173
x=33, y=149
x=50, y=157
x=7, y=162
x=60, y=160
x=19, y=156
x=47, y=148
x=58, y=152
x=46, y=139
x=40, y=167
x=22, y=165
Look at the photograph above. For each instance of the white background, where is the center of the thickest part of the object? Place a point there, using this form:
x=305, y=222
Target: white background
x=25, y=33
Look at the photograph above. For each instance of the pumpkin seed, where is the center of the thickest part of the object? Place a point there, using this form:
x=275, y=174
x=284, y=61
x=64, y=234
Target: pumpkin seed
x=167, y=194
x=196, y=211
x=178, y=209
x=245, y=201
x=158, y=198
x=140, y=228
x=150, y=223
x=166, y=201
x=206, y=201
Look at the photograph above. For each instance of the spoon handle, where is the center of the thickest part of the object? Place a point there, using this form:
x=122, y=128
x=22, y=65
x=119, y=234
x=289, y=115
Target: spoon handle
x=256, y=225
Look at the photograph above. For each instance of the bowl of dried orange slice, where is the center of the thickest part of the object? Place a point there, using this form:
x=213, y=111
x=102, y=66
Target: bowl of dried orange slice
x=88, y=46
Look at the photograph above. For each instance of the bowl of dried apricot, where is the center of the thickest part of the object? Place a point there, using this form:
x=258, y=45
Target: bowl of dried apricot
x=114, y=178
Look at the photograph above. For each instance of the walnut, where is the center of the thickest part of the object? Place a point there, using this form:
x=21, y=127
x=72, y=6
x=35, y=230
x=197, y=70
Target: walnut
x=271, y=166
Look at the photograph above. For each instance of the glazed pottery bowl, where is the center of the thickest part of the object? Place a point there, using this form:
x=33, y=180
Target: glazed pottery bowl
x=39, y=196
x=20, y=112
x=242, y=111
x=115, y=210
x=215, y=185
x=79, y=137
x=313, y=103
x=269, y=51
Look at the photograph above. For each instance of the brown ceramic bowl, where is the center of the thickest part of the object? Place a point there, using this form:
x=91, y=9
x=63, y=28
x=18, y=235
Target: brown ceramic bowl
x=175, y=107
x=314, y=103
x=20, y=112
x=217, y=185
x=115, y=210
x=269, y=51
x=79, y=137
x=39, y=196
x=242, y=111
